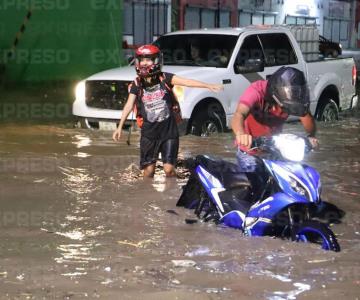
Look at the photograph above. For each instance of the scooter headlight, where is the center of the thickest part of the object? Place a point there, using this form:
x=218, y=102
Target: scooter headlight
x=290, y=146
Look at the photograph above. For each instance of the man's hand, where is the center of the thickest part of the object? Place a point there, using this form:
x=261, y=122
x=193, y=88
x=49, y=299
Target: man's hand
x=314, y=142
x=244, y=140
x=116, y=134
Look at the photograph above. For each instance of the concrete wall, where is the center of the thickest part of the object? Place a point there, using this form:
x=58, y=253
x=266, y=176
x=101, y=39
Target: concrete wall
x=63, y=39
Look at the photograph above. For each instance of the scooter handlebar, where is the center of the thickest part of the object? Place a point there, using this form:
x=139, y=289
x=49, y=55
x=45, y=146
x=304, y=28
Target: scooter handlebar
x=262, y=141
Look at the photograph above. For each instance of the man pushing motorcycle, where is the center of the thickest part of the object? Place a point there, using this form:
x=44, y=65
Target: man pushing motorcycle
x=269, y=192
x=266, y=104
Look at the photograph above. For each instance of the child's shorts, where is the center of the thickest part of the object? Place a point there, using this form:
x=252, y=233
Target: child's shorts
x=150, y=149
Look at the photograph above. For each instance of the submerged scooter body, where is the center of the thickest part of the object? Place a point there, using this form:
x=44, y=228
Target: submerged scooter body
x=274, y=198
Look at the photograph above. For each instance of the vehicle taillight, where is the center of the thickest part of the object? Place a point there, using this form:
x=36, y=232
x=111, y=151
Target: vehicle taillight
x=354, y=75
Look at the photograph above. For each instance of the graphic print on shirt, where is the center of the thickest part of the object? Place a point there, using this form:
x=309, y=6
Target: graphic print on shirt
x=155, y=105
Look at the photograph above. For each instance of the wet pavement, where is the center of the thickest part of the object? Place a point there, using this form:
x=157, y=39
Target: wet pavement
x=77, y=221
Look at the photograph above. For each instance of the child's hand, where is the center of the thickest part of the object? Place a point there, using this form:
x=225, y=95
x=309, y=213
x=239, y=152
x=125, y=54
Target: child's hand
x=216, y=87
x=116, y=135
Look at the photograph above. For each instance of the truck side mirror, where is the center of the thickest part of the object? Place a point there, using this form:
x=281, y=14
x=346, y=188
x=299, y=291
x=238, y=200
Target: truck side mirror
x=251, y=65
x=130, y=59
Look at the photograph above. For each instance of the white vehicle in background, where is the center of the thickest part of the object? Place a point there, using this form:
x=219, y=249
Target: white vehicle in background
x=234, y=57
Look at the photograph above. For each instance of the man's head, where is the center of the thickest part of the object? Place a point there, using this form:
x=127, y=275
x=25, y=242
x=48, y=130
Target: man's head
x=148, y=61
x=194, y=51
x=287, y=88
x=194, y=48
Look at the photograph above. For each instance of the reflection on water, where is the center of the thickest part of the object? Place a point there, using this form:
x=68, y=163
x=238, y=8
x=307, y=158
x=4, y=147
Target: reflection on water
x=81, y=141
x=77, y=225
x=299, y=288
x=82, y=155
x=79, y=182
x=108, y=232
x=79, y=253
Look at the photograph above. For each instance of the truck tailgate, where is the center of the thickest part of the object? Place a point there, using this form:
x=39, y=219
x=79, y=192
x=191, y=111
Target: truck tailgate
x=337, y=72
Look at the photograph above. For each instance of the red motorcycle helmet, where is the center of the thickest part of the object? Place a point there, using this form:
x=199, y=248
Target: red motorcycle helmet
x=152, y=52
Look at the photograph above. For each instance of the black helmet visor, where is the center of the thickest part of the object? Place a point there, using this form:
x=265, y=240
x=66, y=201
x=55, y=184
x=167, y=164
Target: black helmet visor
x=294, y=99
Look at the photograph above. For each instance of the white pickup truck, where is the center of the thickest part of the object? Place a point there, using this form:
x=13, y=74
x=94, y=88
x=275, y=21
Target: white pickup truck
x=234, y=57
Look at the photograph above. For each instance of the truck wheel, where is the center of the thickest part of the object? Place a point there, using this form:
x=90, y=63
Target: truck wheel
x=207, y=122
x=328, y=111
x=331, y=53
x=335, y=53
x=85, y=124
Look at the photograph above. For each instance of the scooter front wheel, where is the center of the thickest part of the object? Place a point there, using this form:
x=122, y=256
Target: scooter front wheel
x=318, y=233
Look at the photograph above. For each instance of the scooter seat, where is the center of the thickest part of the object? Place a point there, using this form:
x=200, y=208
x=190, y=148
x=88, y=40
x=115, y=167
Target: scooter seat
x=228, y=173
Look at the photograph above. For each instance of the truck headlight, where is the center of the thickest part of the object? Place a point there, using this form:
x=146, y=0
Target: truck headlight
x=179, y=92
x=80, y=91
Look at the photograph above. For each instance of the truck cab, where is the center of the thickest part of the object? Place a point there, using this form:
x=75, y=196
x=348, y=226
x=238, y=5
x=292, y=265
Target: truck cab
x=234, y=57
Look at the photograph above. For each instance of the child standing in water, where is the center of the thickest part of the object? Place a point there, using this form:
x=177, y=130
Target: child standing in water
x=151, y=93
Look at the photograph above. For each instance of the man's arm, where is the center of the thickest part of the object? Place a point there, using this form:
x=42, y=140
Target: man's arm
x=310, y=127
x=309, y=124
x=238, y=127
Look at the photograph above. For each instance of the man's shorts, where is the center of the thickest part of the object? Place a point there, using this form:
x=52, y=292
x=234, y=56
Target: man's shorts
x=150, y=149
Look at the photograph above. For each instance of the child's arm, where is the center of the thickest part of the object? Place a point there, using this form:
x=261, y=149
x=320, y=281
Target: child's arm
x=176, y=80
x=125, y=113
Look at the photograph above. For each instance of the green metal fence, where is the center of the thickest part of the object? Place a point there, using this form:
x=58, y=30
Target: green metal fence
x=50, y=40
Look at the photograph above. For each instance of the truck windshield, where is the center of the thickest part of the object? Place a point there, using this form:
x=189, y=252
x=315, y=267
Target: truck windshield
x=206, y=50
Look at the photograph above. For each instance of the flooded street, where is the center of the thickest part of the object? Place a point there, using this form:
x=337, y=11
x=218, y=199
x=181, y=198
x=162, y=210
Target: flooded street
x=78, y=222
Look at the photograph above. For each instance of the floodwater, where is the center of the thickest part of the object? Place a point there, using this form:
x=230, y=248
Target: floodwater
x=77, y=221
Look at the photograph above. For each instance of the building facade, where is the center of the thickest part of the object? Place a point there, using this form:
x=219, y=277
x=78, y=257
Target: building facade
x=337, y=20
x=145, y=20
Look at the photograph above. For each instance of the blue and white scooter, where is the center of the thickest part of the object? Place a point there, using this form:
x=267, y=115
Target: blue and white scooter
x=274, y=197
